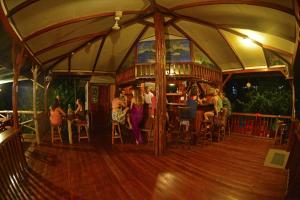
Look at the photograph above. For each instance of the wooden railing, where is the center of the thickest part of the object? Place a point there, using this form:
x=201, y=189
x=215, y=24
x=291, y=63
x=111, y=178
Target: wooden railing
x=260, y=125
x=173, y=70
x=28, y=123
x=12, y=164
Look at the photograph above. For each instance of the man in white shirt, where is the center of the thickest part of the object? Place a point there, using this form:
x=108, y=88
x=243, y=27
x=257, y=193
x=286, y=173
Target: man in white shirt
x=148, y=96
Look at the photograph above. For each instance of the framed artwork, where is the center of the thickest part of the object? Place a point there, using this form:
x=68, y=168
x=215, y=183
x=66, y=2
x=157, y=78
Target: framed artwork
x=146, y=52
x=177, y=50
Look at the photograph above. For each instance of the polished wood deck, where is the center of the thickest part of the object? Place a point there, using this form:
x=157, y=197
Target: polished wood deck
x=229, y=170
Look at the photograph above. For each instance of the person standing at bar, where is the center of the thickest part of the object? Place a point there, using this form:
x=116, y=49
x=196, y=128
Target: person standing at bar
x=137, y=107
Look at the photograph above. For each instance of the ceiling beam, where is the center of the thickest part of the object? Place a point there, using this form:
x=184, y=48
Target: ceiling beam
x=76, y=20
x=20, y=6
x=232, y=49
x=69, y=41
x=192, y=40
x=132, y=46
x=248, y=2
x=98, y=53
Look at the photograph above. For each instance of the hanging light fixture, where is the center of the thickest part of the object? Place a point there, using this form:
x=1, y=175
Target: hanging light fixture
x=118, y=15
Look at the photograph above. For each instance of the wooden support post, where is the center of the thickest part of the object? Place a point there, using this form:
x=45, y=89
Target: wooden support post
x=160, y=80
x=34, y=71
x=293, y=98
x=18, y=54
x=46, y=108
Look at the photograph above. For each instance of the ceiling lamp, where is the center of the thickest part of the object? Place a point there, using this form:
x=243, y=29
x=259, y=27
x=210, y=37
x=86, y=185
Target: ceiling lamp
x=118, y=15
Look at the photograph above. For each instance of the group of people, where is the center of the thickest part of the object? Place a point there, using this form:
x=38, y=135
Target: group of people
x=57, y=114
x=143, y=105
x=133, y=113
x=217, y=100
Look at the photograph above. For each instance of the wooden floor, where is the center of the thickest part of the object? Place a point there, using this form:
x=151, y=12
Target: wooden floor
x=230, y=170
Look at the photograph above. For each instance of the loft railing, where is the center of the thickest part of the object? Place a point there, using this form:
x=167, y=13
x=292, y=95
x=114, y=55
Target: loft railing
x=173, y=70
x=260, y=125
x=12, y=165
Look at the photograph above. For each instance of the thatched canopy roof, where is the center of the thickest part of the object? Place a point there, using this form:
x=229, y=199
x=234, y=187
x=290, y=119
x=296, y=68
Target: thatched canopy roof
x=77, y=35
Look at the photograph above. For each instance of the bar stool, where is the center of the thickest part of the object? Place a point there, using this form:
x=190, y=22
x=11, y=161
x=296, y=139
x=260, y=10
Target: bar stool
x=82, y=128
x=116, y=132
x=56, y=133
x=185, y=126
x=206, y=130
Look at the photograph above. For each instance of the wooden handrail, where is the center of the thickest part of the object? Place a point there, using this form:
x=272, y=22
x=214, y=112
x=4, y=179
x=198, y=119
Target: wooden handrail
x=20, y=111
x=13, y=164
x=261, y=115
x=256, y=124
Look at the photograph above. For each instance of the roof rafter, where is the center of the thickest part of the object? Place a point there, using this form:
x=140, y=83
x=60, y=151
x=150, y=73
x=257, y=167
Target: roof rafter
x=191, y=39
x=69, y=41
x=216, y=26
x=63, y=56
x=9, y=28
x=74, y=20
x=232, y=49
x=248, y=2
x=132, y=46
x=98, y=53
x=20, y=7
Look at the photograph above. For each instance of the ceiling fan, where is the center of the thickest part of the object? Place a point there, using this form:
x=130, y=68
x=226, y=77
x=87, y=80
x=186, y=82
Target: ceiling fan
x=118, y=15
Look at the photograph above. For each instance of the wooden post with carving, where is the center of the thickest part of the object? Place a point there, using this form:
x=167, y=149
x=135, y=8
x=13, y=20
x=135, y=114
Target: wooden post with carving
x=160, y=81
x=18, y=55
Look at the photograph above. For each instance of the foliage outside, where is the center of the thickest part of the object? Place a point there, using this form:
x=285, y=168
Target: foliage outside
x=267, y=95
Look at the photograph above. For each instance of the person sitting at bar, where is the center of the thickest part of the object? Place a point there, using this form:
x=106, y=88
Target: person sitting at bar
x=217, y=102
x=118, y=114
x=137, y=106
x=79, y=112
x=56, y=114
x=226, y=104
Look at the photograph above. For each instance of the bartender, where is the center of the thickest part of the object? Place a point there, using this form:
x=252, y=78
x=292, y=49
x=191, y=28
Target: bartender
x=148, y=96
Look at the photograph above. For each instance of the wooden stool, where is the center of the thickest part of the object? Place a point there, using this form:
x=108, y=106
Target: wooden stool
x=82, y=134
x=55, y=134
x=116, y=132
x=206, y=131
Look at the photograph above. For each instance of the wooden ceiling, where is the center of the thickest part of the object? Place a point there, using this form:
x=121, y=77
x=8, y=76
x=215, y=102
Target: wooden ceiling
x=77, y=36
